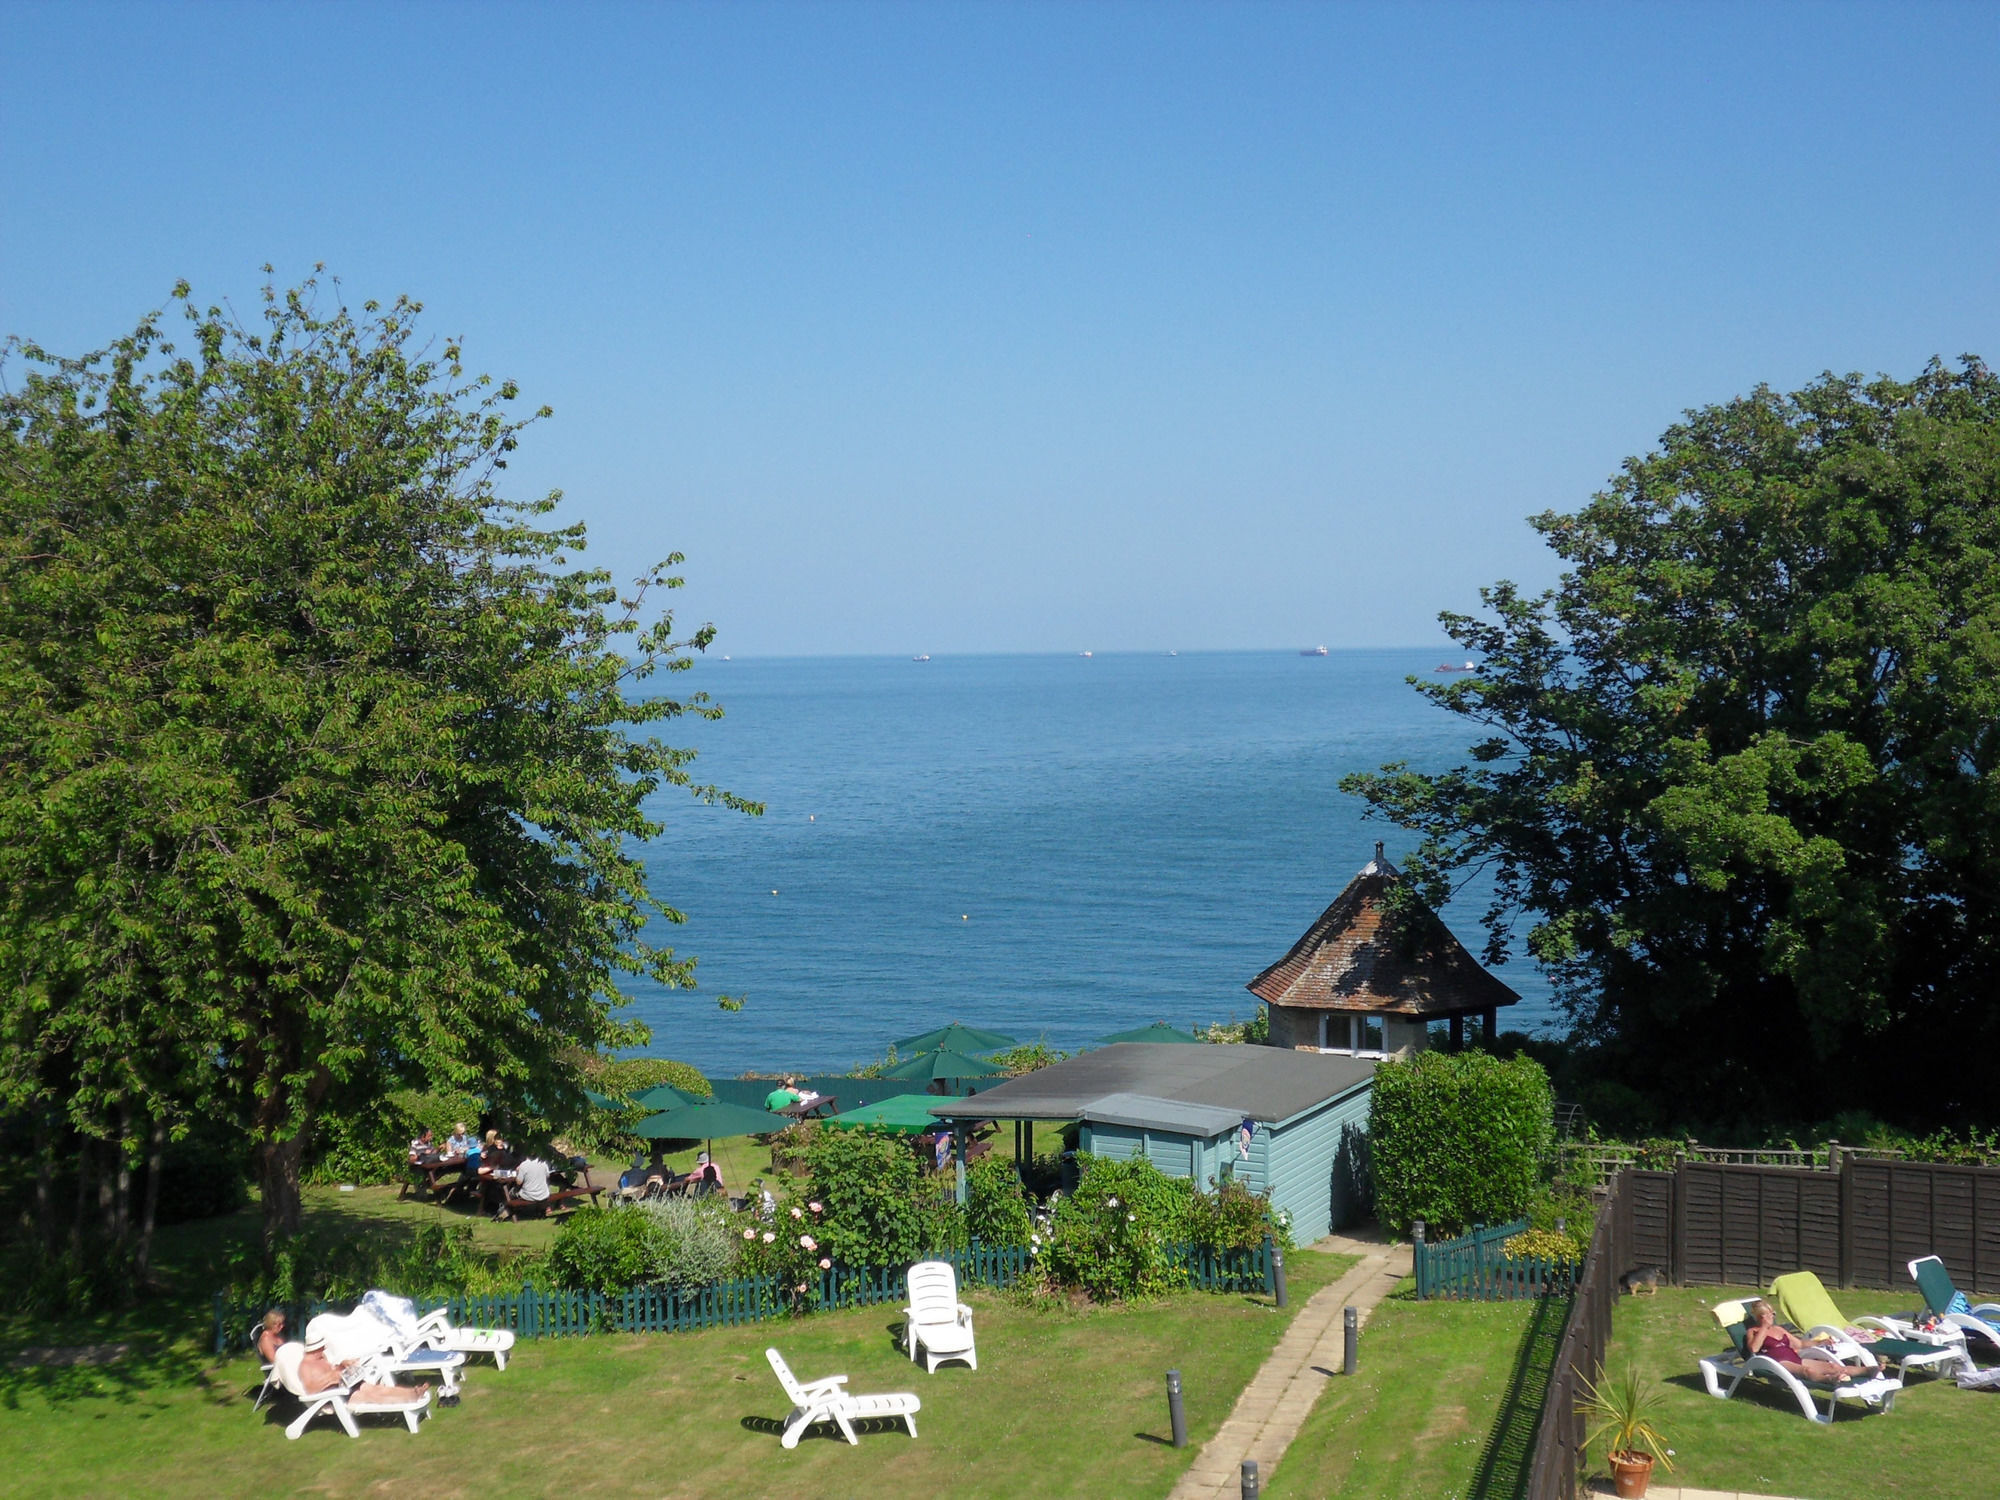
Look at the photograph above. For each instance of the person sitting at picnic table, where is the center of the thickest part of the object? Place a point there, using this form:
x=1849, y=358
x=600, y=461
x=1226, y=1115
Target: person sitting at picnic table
x=1763, y=1335
x=531, y=1185
x=459, y=1144
x=632, y=1181
x=496, y=1170
x=784, y=1096
x=423, y=1149
x=705, y=1178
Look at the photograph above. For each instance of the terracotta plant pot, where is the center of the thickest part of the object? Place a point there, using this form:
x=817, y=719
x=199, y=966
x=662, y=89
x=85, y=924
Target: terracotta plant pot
x=1630, y=1473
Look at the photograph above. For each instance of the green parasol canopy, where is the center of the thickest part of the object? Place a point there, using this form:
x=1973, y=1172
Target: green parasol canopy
x=928, y=1067
x=664, y=1096
x=955, y=1038
x=705, y=1121
x=603, y=1101
x=1159, y=1031
x=905, y=1114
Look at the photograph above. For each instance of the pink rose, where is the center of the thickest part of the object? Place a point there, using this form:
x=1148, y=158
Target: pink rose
x=825, y=1264
x=807, y=1241
x=816, y=1208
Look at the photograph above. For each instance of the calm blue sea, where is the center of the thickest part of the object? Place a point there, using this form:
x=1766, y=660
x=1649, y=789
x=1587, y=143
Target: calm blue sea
x=1042, y=845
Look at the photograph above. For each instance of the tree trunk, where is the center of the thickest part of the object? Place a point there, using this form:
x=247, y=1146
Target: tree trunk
x=85, y=1160
x=121, y=1204
x=156, y=1147
x=45, y=1181
x=278, y=1181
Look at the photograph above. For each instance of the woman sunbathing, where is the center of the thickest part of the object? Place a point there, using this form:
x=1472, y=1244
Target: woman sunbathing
x=1762, y=1335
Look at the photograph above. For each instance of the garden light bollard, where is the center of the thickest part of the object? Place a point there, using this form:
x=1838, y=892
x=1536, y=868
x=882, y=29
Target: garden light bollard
x=1176, y=1414
x=1249, y=1479
x=1350, y=1330
x=1278, y=1273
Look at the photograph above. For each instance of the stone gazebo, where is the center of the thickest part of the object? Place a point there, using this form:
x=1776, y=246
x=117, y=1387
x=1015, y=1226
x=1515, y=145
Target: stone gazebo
x=1361, y=984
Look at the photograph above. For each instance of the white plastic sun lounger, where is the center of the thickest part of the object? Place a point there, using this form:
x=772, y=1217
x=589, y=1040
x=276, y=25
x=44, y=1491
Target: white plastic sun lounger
x=344, y=1407
x=1879, y=1391
x=430, y=1330
x=936, y=1322
x=362, y=1335
x=826, y=1400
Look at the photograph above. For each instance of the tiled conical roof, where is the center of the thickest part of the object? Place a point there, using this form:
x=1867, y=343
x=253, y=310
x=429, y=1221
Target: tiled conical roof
x=1355, y=958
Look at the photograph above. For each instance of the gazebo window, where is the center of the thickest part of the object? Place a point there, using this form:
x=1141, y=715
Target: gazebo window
x=1351, y=1034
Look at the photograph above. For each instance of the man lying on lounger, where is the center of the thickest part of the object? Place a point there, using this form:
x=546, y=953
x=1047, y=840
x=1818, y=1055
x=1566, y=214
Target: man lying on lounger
x=318, y=1373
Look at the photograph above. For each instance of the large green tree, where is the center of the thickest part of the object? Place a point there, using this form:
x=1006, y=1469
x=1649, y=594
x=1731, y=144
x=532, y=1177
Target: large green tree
x=321, y=767
x=1737, y=769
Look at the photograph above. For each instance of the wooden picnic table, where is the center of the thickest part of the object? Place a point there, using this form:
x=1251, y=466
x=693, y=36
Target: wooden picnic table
x=810, y=1109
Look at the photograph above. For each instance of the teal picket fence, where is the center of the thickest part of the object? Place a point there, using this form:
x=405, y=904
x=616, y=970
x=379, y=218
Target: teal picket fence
x=1475, y=1268
x=533, y=1314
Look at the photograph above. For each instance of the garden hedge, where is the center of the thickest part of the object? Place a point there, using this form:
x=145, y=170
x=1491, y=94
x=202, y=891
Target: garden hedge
x=1457, y=1139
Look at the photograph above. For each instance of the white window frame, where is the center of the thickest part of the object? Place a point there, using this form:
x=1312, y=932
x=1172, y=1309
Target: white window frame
x=1340, y=1032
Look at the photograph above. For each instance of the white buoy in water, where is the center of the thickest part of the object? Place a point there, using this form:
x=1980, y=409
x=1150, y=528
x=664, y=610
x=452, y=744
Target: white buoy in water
x=965, y=916
x=774, y=892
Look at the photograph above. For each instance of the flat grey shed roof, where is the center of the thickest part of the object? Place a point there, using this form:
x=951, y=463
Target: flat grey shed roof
x=1149, y=1112
x=1265, y=1083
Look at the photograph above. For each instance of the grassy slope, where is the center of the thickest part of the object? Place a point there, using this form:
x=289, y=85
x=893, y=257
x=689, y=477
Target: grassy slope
x=1419, y=1415
x=1938, y=1441
x=1064, y=1403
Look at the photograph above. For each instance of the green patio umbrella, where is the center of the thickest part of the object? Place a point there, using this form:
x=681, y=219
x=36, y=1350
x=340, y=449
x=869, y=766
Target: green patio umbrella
x=904, y=1114
x=956, y=1038
x=928, y=1067
x=706, y=1120
x=664, y=1096
x=603, y=1101
x=1159, y=1031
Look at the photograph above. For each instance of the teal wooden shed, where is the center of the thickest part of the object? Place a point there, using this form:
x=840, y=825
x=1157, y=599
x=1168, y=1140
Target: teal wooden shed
x=1290, y=1124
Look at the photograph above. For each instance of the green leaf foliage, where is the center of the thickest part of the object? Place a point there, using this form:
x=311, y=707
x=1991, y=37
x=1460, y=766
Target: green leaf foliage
x=1740, y=768
x=996, y=1207
x=323, y=769
x=877, y=1208
x=1457, y=1139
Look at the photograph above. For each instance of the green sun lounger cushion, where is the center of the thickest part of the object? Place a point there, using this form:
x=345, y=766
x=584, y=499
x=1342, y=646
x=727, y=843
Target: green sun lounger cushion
x=1802, y=1301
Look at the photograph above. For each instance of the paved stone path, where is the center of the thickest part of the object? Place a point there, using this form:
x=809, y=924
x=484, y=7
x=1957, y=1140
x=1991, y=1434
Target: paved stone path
x=1275, y=1404
x=1656, y=1492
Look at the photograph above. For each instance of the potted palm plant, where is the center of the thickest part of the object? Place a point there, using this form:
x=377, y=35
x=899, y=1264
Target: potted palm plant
x=1621, y=1412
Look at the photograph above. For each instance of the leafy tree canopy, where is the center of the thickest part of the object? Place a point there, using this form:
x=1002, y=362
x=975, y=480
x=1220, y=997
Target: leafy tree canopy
x=1737, y=768
x=321, y=768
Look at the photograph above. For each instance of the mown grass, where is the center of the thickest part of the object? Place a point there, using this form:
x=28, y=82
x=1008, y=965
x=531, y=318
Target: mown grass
x=1065, y=1402
x=1938, y=1441
x=1441, y=1406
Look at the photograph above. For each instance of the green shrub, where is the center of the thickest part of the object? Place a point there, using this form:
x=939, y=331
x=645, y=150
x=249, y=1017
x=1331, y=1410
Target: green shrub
x=371, y=1143
x=690, y=1242
x=1541, y=1244
x=996, y=1208
x=631, y=1074
x=1234, y=1218
x=878, y=1210
x=603, y=1250
x=1110, y=1236
x=1458, y=1138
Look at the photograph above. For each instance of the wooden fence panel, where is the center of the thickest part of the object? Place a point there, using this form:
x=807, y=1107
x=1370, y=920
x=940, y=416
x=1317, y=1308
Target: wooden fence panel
x=1648, y=1204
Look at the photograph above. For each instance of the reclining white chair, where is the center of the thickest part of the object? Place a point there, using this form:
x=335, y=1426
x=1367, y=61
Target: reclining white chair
x=936, y=1321
x=344, y=1406
x=827, y=1401
x=1877, y=1391
x=270, y=1370
x=1952, y=1306
x=430, y=1330
x=363, y=1336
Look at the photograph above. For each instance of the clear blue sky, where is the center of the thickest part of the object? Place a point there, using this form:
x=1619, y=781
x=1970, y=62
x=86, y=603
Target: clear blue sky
x=1014, y=327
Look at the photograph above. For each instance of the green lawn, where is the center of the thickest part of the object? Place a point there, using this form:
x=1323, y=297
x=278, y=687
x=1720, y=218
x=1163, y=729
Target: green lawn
x=1428, y=1412
x=1938, y=1441
x=1064, y=1403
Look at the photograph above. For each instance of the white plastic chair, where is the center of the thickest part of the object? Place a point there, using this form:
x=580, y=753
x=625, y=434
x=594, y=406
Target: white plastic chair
x=936, y=1321
x=344, y=1407
x=432, y=1331
x=827, y=1401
